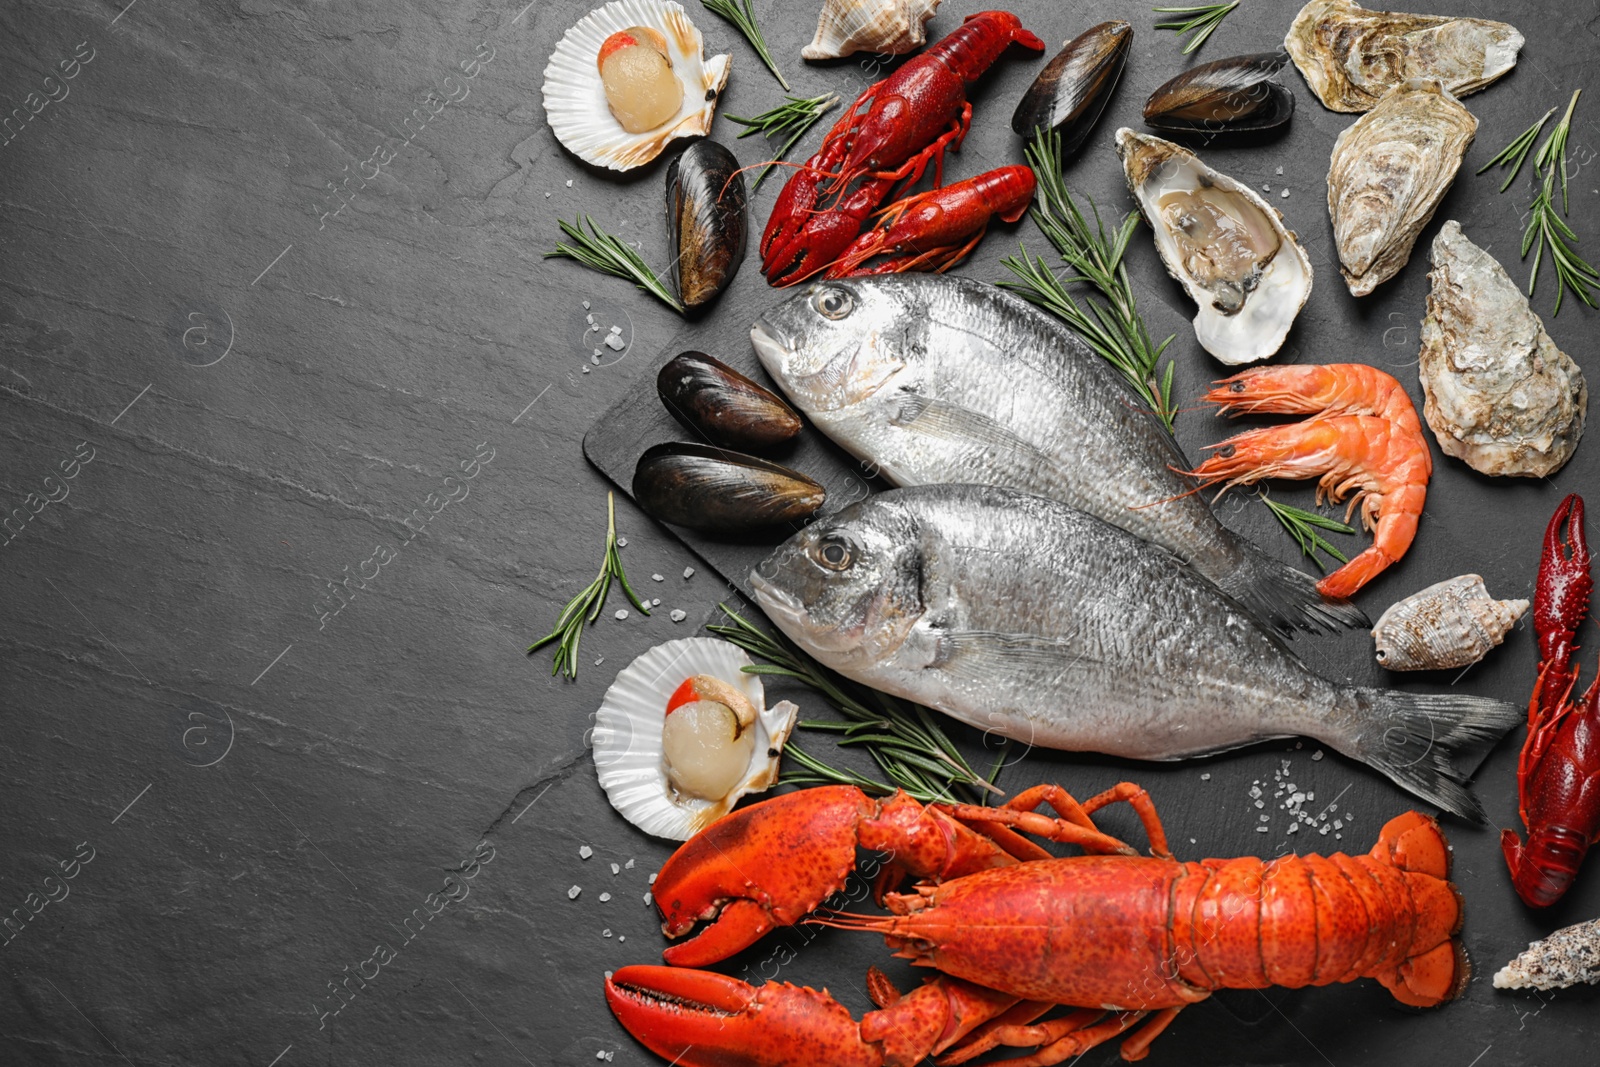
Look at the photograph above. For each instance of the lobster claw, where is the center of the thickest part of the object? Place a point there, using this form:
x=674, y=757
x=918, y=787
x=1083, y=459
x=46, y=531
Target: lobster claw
x=801, y=240
x=703, y=1019
x=758, y=868
x=1560, y=601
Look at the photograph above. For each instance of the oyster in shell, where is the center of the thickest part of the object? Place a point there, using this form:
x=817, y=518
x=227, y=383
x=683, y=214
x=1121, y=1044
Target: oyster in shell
x=1499, y=394
x=1351, y=57
x=1452, y=623
x=882, y=27
x=1389, y=171
x=1228, y=248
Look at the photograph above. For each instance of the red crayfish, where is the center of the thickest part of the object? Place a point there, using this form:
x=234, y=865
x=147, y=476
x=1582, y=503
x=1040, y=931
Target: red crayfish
x=890, y=134
x=1558, y=774
x=935, y=230
x=1015, y=932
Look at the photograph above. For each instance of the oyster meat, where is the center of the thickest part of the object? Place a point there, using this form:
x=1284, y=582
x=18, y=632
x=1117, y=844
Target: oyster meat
x=883, y=27
x=1451, y=623
x=1499, y=394
x=1228, y=248
x=1351, y=56
x=1389, y=171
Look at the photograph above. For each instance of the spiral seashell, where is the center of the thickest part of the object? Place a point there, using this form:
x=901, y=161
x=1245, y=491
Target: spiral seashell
x=1567, y=957
x=1449, y=624
x=885, y=27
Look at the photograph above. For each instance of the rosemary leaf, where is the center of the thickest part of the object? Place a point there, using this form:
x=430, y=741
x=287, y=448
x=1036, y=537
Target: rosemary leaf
x=1303, y=525
x=584, y=608
x=1114, y=329
x=1207, y=17
x=798, y=115
x=739, y=13
x=600, y=251
x=1517, y=151
x=910, y=747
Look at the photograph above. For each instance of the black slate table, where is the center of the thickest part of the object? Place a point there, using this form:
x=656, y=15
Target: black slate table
x=280, y=786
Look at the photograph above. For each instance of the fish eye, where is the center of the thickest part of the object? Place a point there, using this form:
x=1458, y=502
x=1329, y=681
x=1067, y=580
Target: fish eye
x=835, y=303
x=834, y=553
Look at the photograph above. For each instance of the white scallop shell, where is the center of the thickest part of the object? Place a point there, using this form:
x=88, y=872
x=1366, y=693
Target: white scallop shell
x=883, y=27
x=627, y=735
x=1153, y=167
x=575, y=99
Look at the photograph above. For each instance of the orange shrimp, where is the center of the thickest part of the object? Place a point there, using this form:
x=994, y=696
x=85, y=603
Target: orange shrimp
x=1363, y=435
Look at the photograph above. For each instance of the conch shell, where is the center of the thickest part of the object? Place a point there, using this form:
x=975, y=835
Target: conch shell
x=1350, y=56
x=1388, y=173
x=1500, y=395
x=885, y=27
x=1565, y=958
x=1450, y=624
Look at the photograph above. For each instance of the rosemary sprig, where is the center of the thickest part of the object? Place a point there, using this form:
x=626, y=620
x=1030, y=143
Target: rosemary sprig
x=600, y=251
x=1114, y=329
x=1207, y=17
x=1303, y=526
x=1547, y=229
x=585, y=607
x=738, y=12
x=906, y=743
x=799, y=115
x=1517, y=151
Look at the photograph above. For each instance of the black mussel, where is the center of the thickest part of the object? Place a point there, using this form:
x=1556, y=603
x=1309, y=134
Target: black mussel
x=1234, y=95
x=718, y=491
x=706, y=221
x=1072, y=90
x=712, y=398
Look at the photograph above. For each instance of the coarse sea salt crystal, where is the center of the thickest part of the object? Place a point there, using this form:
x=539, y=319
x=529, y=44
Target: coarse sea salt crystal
x=652, y=879
x=604, y=897
x=622, y=613
x=572, y=894
x=629, y=864
x=656, y=603
x=622, y=542
x=1294, y=827
x=647, y=900
x=1317, y=754
x=586, y=305
x=606, y=932
x=569, y=183
x=615, y=342
x=676, y=615
x=1261, y=829
x=586, y=370
x=658, y=577
x=616, y=869
x=688, y=572
x=1280, y=170
x=584, y=852
x=1286, y=194
x=1206, y=777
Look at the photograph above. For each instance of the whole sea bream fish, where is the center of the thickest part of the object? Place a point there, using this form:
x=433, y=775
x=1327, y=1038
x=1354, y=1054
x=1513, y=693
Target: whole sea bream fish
x=933, y=379
x=1021, y=615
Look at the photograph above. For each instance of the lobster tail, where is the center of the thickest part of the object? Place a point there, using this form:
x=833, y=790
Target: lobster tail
x=1417, y=740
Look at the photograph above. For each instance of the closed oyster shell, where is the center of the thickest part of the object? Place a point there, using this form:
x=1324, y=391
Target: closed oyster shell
x=1244, y=315
x=1449, y=624
x=1388, y=173
x=884, y=27
x=1351, y=57
x=1499, y=394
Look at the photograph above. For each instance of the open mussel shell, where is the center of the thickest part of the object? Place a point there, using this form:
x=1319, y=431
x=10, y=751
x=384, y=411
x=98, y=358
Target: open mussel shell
x=1234, y=95
x=713, y=399
x=1072, y=90
x=706, y=221
x=718, y=491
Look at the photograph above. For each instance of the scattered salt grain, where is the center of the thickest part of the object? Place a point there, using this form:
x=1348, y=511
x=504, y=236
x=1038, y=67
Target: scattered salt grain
x=1311, y=796
x=1261, y=803
x=658, y=578
x=677, y=616
x=615, y=870
x=586, y=305
x=622, y=613
x=1261, y=829
x=1299, y=744
x=606, y=932
x=588, y=318
x=608, y=974
x=1206, y=777
x=572, y=894
x=647, y=900
x=1280, y=170
x=604, y=897
x=688, y=572
x=622, y=542
x=1286, y=194
x=652, y=879
x=599, y=1055
x=1323, y=830
x=1297, y=798
x=615, y=342
x=1338, y=824
x=1317, y=754
x=1266, y=187
x=1294, y=827
x=595, y=359
x=629, y=864
x=656, y=603
x=599, y=661
x=569, y=183
x=620, y=937
x=585, y=852
x=616, y=329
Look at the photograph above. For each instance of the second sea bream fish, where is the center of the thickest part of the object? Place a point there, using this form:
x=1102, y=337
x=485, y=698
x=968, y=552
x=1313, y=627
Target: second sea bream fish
x=935, y=379
x=1021, y=615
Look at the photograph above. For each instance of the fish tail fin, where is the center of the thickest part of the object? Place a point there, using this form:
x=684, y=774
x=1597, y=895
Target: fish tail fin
x=1284, y=597
x=1431, y=743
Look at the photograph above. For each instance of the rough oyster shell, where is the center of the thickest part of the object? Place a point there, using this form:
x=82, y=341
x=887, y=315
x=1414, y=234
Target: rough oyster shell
x=1565, y=958
x=1388, y=173
x=1449, y=624
x=1499, y=394
x=627, y=736
x=1272, y=293
x=575, y=99
x=1350, y=56
x=884, y=27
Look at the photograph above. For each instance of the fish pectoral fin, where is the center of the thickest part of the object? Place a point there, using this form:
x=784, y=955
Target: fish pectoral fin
x=989, y=656
x=959, y=425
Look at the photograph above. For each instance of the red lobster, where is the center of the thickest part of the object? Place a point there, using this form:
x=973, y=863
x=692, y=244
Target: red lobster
x=935, y=230
x=1016, y=932
x=1558, y=774
x=910, y=119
